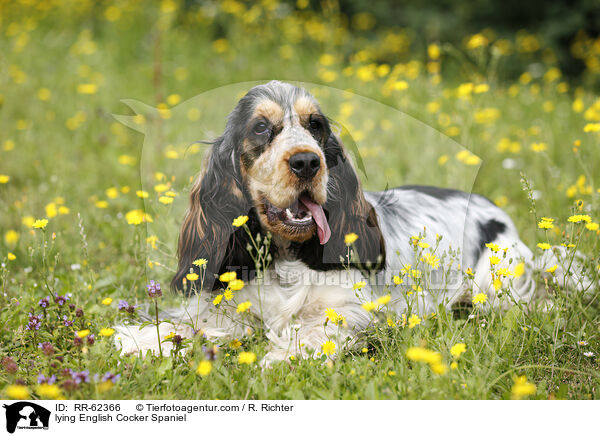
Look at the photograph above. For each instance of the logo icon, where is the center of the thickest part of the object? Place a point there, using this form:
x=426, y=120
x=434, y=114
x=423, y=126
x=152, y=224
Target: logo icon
x=26, y=415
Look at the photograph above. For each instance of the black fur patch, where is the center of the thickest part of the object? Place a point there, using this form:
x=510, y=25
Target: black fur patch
x=488, y=231
x=434, y=191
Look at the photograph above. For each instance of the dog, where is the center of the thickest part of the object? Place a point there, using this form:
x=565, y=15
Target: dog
x=327, y=245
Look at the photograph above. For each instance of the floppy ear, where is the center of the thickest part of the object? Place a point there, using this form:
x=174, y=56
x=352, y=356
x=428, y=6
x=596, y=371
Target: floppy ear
x=347, y=212
x=207, y=232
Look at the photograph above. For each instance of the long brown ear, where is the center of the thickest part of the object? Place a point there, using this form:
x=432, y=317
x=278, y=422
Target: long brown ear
x=207, y=231
x=347, y=212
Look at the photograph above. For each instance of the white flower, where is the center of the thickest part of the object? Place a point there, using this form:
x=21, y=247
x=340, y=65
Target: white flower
x=582, y=343
x=589, y=354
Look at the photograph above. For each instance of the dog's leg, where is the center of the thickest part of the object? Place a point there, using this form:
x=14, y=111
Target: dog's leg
x=199, y=317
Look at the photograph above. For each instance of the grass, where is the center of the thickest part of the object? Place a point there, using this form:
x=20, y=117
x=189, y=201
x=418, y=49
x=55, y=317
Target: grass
x=69, y=160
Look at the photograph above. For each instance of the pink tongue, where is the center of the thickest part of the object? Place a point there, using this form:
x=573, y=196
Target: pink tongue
x=323, y=229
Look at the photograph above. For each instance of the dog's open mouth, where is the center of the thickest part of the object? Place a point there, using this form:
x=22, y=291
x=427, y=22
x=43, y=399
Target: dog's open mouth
x=301, y=217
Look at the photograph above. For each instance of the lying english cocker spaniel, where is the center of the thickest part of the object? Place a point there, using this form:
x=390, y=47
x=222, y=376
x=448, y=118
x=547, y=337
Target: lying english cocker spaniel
x=279, y=163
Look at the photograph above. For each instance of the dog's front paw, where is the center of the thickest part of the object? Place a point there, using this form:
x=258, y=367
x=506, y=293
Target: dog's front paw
x=272, y=357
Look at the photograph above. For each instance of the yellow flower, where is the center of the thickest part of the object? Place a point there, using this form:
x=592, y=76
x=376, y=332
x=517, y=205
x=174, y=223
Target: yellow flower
x=552, y=269
x=11, y=237
x=170, y=336
x=165, y=200
x=40, y=224
x=359, y=285
x=328, y=348
x=200, y=262
x=369, y=306
x=522, y=388
x=397, y=280
x=544, y=246
x=204, y=368
x=480, y=298
x=106, y=332
x=107, y=301
x=228, y=294
x=137, y=217
x=432, y=260
x=83, y=333
x=538, y=147
x=17, y=392
x=228, y=276
x=494, y=260
x=4, y=178
x=218, y=299
x=48, y=391
x=142, y=194
x=87, y=88
x=492, y=246
x=101, y=204
x=592, y=226
x=192, y=277
x=236, y=285
x=51, y=210
x=413, y=321
x=350, y=238
x=546, y=223
x=504, y=272
x=439, y=368
x=519, y=269
x=247, y=357
x=457, y=349
x=421, y=354
x=591, y=127
x=580, y=218
x=11, y=256
x=476, y=41
x=497, y=284
x=333, y=316
x=240, y=221
x=454, y=365
x=384, y=300
x=242, y=307
x=235, y=344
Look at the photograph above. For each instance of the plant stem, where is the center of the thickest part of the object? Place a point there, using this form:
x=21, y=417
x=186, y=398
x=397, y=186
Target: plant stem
x=157, y=329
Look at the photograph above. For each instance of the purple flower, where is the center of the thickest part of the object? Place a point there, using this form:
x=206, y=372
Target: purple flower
x=67, y=322
x=125, y=306
x=41, y=379
x=91, y=339
x=81, y=377
x=47, y=348
x=44, y=302
x=111, y=377
x=154, y=290
x=61, y=299
x=34, y=322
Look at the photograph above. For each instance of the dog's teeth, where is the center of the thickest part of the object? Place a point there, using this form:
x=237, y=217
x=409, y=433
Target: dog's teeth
x=289, y=213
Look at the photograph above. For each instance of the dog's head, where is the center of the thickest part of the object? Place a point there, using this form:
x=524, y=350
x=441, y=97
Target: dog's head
x=279, y=163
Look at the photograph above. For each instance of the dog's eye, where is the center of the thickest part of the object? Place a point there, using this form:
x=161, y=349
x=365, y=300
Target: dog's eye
x=315, y=125
x=260, y=128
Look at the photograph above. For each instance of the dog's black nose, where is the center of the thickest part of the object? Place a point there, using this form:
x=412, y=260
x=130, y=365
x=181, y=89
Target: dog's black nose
x=305, y=165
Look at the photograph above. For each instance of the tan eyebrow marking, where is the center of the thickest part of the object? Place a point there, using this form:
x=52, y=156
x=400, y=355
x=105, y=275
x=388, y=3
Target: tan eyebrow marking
x=305, y=106
x=270, y=110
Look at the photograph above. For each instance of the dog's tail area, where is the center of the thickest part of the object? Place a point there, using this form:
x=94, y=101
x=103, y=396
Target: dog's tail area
x=188, y=321
x=562, y=268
